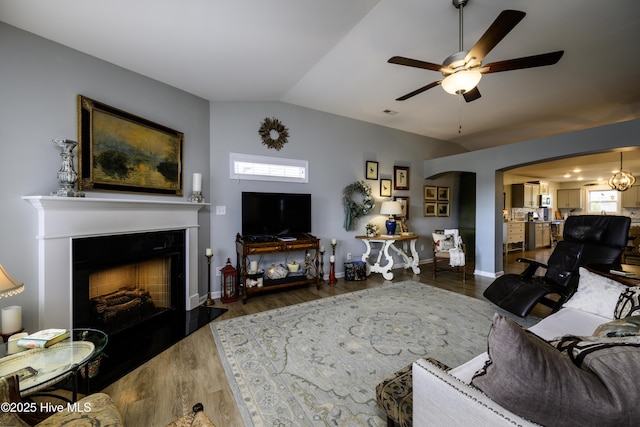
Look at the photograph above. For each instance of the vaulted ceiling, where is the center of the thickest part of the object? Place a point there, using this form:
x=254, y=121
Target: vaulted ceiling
x=331, y=55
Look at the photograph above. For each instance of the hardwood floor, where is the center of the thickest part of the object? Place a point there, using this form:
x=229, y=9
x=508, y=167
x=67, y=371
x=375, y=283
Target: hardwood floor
x=167, y=386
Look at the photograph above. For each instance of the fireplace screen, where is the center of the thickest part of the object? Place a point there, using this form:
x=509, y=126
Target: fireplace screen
x=125, y=295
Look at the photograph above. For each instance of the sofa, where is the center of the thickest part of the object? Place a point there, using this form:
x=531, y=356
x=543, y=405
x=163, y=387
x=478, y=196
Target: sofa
x=578, y=366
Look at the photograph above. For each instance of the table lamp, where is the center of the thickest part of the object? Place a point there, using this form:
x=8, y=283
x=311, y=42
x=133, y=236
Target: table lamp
x=11, y=316
x=391, y=209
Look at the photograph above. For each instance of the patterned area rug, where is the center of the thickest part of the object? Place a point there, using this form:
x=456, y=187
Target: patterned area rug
x=318, y=363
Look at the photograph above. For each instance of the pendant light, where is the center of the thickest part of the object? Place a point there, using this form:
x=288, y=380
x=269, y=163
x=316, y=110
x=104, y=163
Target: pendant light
x=621, y=180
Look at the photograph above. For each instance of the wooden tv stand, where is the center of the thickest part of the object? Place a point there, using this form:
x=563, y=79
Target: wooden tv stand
x=246, y=248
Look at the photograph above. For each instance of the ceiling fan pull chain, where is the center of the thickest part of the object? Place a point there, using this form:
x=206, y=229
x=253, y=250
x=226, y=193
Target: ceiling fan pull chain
x=459, y=114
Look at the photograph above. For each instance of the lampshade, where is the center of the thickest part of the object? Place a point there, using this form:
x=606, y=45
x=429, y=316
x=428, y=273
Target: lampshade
x=461, y=81
x=8, y=285
x=621, y=180
x=391, y=208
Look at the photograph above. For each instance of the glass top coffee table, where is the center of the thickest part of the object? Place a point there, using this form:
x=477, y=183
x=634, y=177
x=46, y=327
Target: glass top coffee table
x=40, y=368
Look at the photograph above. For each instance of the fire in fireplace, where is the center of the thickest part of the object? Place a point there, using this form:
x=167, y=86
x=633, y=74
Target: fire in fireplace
x=122, y=281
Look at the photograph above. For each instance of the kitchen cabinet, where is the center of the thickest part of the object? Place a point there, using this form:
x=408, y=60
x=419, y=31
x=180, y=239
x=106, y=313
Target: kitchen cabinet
x=631, y=197
x=512, y=236
x=538, y=235
x=570, y=198
x=525, y=195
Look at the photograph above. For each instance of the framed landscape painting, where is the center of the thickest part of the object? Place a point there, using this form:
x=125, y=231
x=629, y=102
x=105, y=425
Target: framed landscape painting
x=122, y=152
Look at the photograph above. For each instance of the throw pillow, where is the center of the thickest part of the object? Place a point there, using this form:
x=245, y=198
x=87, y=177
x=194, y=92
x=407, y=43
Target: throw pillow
x=628, y=326
x=628, y=303
x=529, y=377
x=596, y=294
x=443, y=242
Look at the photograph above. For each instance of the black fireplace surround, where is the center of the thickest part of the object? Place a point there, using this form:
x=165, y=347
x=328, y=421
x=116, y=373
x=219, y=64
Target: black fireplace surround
x=98, y=253
x=133, y=343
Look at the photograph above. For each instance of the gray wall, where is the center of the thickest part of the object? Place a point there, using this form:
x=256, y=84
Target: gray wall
x=39, y=83
x=489, y=164
x=336, y=149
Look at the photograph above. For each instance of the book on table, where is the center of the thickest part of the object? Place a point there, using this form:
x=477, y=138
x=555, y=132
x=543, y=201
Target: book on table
x=44, y=338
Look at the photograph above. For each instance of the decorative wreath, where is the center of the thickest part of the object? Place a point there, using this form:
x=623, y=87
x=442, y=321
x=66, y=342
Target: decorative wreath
x=274, y=134
x=353, y=210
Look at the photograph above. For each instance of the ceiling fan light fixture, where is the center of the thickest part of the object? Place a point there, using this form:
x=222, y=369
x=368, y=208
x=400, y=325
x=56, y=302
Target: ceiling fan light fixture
x=621, y=180
x=461, y=81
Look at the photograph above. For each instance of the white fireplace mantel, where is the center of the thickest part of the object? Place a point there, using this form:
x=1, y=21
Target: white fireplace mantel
x=62, y=219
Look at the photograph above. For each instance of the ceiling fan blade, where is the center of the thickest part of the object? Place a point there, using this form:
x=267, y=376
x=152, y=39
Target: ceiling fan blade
x=472, y=95
x=504, y=23
x=525, y=62
x=400, y=60
x=418, y=91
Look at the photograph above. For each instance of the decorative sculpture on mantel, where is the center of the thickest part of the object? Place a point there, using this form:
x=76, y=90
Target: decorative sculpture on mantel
x=67, y=175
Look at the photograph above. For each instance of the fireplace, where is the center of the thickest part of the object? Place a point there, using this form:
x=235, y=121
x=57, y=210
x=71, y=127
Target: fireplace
x=121, y=281
x=108, y=245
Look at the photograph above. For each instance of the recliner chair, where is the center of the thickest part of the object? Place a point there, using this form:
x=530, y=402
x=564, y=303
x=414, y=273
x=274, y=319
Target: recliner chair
x=596, y=240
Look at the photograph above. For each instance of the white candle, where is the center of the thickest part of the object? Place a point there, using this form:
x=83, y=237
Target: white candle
x=208, y=252
x=197, y=182
x=11, y=319
x=332, y=258
x=253, y=266
x=321, y=248
x=333, y=241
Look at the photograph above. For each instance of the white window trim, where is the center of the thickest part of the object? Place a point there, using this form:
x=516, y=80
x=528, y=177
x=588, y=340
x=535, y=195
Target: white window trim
x=601, y=188
x=273, y=168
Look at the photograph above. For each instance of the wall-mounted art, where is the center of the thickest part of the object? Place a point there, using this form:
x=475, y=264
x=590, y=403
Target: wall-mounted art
x=371, y=170
x=443, y=209
x=430, y=208
x=430, y=192
x=385, y=188
x=404, y=203
x=443, y=194
x=401, y=178
x=123, y=152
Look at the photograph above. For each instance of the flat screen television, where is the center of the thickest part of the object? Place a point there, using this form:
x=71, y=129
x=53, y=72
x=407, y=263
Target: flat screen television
x=275, y=214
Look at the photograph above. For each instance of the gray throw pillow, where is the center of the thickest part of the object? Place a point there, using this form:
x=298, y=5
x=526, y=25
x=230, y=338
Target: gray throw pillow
x=529, y=377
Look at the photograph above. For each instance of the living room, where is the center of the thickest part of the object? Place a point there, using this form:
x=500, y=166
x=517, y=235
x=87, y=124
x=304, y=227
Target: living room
x=40, y=83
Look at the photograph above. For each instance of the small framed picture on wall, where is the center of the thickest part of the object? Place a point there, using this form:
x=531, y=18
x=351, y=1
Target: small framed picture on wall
x=430, y=192
x=430, y=208
x=404, y=203
x=401, y=178
x=443, y=194
x=385, y=188
x=371, y=170
x=443, y=209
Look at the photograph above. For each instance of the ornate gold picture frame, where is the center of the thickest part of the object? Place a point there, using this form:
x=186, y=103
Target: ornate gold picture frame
x=119, y=151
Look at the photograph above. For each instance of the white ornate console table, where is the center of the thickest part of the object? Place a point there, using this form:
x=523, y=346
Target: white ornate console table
x=389, y=242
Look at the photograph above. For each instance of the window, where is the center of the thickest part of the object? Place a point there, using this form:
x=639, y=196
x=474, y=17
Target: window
x=263, y=168
x=603, y=201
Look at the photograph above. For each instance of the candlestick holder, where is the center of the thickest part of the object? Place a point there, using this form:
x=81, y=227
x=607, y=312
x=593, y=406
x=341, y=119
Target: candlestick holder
x=332, y=264
x=196, y=197
x=321, y=266
x=209, y=302
x=332, y=273
x=67, y=176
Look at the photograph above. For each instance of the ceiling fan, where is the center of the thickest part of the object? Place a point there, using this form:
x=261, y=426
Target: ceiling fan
x=463, y=70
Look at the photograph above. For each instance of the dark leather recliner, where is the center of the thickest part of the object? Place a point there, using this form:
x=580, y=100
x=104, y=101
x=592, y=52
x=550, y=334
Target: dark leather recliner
x=587, y=240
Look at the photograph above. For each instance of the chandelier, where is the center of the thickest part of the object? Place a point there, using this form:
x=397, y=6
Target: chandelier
x=621, y=180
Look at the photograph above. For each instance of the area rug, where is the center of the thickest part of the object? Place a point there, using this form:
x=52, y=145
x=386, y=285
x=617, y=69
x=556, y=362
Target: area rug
x=318, y=363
